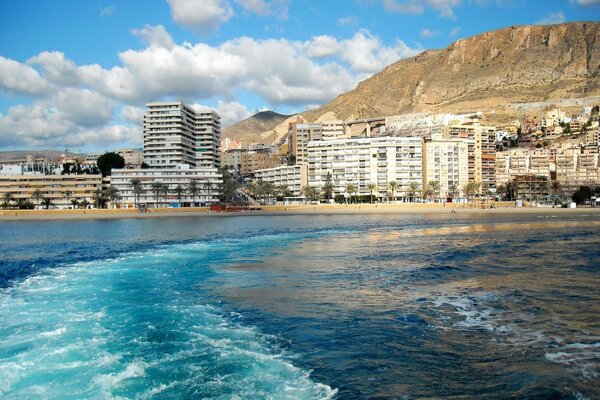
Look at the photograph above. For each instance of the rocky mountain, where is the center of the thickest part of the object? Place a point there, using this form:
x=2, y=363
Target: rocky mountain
x=504, y=73
x=259, y=128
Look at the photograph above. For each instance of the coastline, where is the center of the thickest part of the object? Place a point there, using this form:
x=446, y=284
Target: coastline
x=322, y=209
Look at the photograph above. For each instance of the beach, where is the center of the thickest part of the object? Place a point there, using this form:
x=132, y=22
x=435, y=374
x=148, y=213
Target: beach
x=325, y=209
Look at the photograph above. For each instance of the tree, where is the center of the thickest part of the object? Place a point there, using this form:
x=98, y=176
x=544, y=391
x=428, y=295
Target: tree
x=501, y=190
x=393, y=186
x=453, y=191
x=37, y=195
x=434, y=187
x=427, y=192
x=413, y=188
x=555, y=186
x=312, y=193
x=583, y=195
x=68, y=195
x=75, y=203
x=193, y=189
x=137, y=188
x=84, y=203
x=351, y=189
x=158, y=188
x=372, y=188
x=179, y=191
x=112, y=194
x=208, y=187
x=107, y=161
x=328, y=187
x=7, y=199
x=47, y=202
x=98, y=198
x=229, y=187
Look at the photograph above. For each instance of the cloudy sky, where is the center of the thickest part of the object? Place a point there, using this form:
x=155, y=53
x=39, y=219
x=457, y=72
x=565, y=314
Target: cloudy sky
x=77, y=74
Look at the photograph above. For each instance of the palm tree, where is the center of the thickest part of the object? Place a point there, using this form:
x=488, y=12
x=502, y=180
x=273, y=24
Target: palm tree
x=372, y=188
x=555, y=186
x=47, y=202
x=207, y=186
x=136, y=185
x=84, y=203
x=193, y=189
x=74, y=202
x=98, y=198
x=434, y=187
x=7, y=199
x=157, y=188
x=351, y=188
x=393, y=185
x=112, y=194
x=37, y=195
x=179, y=191
x=68, y=195
x=313, y=193
x=413, y=188
x=453, y=190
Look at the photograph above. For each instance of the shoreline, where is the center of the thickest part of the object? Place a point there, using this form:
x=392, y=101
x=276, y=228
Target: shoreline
x=338, y=209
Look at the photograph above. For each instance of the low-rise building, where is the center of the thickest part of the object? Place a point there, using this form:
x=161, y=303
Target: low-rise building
x=207, y=179
x=294, y=177
x=60, y=190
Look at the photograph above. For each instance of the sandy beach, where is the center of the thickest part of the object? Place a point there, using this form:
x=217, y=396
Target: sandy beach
x=501, y=208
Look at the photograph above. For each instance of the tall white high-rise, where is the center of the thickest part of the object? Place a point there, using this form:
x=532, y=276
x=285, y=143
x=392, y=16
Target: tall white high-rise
x=175, y=133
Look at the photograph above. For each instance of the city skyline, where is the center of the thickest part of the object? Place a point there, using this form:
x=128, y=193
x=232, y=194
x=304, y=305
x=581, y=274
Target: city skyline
x=79, y=74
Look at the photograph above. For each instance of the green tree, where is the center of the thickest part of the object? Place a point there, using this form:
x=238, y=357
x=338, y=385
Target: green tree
x=555, y=187
x=68, y=195
x=7, y=199
x=208, y=187
x=393, y=186
x=138, y=189
x=157, y=188
x=107, y=161
x=372, y=188
x=583, y=195
x=37, y=195
x=75, y=203
x=112, y=194
x=312, y=193
x=434, y=187
x=179, y=191
x=98, y=198
x=328, y=187
x=413, y=189
x=193, y=189
x=351, y=190
x=228, y=187
x=84, y=203
x=47, y=202
x=453, y=191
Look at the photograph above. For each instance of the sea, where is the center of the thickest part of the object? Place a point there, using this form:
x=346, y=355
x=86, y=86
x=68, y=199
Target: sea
x=484, y=306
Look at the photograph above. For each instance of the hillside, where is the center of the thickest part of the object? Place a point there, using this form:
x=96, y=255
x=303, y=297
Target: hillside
x=504, y=73
x=259, y=128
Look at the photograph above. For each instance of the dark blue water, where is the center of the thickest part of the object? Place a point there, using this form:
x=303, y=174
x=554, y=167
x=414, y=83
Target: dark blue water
x=356, y=307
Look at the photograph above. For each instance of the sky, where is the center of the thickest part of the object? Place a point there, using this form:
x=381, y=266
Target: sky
x=76, y=74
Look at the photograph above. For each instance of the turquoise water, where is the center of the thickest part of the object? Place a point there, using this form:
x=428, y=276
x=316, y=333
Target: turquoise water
x=305, y=307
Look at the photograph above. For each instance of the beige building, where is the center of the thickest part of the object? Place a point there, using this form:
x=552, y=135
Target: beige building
x=60, y=189
x=336, y=129
x=252, y=161
x=299, y=135
x=481, y=150
x=445, y=161
x=294, y=177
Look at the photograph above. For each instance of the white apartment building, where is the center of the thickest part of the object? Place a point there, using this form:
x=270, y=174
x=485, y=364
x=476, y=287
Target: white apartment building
x=295, y=177
x=208, y=181
x=378, y=160
x=334, y=130
x=175, y=133
x=481, y=149
x=445, y=161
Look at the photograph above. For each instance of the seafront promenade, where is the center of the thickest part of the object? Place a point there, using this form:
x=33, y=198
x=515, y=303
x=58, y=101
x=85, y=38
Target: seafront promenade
x=432, y=208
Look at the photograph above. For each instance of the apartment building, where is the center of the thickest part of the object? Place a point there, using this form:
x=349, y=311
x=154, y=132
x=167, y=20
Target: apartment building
x=481, y=150
x=61, y=190
x=299, y=135
x=207, y=179
x=334, y=130
x=445, y=161
x=361, y=161
x=294, y=177
x=175, y=133
x=254, y=160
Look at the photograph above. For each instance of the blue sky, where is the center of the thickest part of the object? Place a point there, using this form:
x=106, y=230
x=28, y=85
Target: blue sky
x=77, y=73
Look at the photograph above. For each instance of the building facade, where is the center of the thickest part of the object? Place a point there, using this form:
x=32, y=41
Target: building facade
x=207, y=179
x=175, y=133
x=61, y=190
x=378, y=160
x=294, y=177
x=445, y=161
x=299, y=135
x=481, y=149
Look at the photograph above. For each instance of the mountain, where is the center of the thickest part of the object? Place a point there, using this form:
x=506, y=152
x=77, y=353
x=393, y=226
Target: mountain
x=503, y=73
x=259, y=128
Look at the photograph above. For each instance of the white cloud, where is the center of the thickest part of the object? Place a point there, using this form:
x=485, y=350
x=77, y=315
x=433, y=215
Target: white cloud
x=321, y=46
x=200, y=14
x=351, y=21
x=82, y=106
x=108, y=11
x=552, y=18
x=428, y=33
x=154, y=36
x=133, y=114
x=56, y=68
x=22, y=79
x=443, y=7
x=454, y=32
x=231, y=112
x=264, y=8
